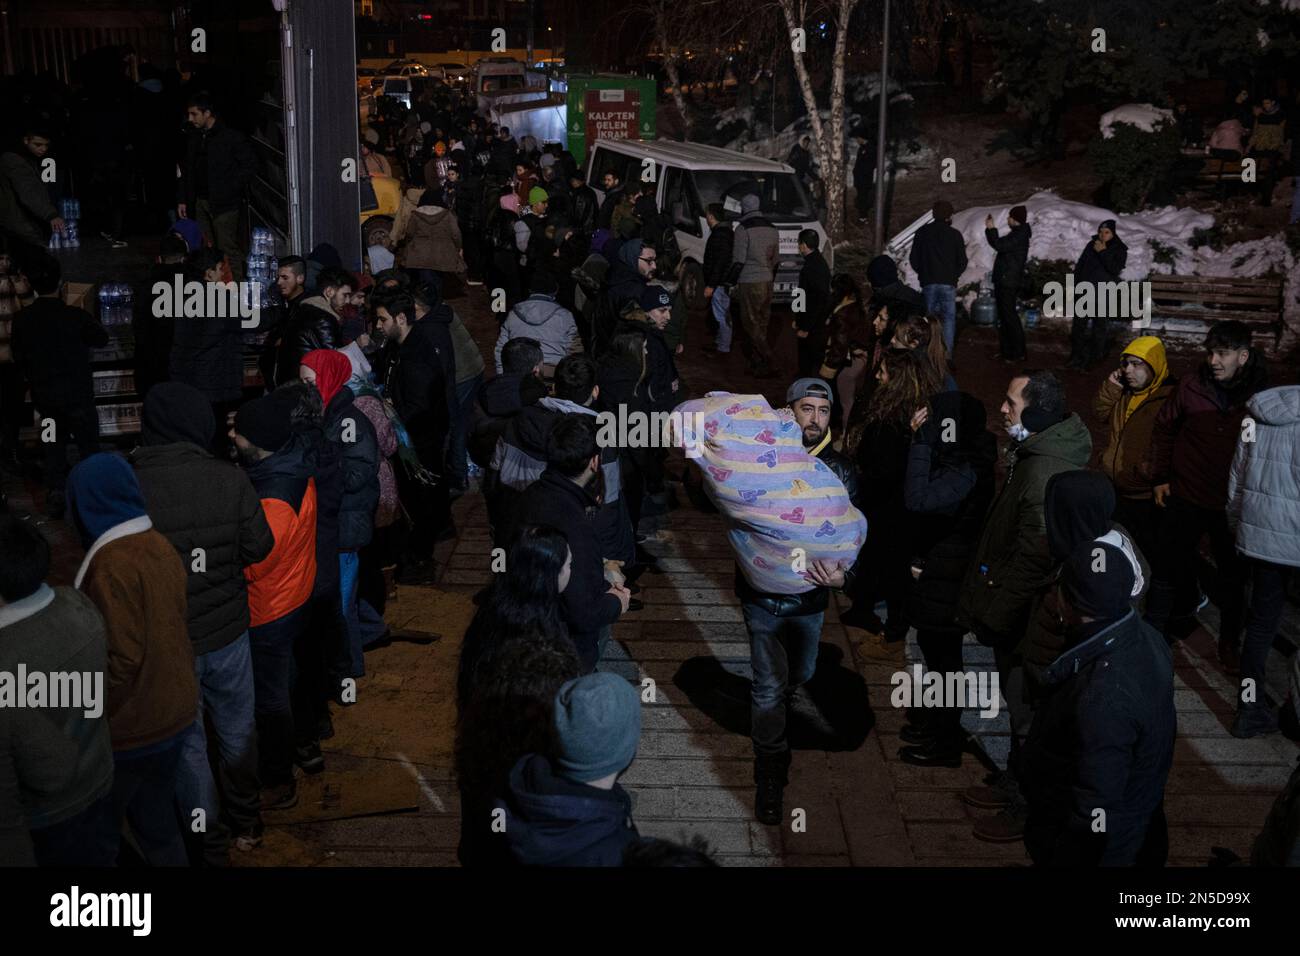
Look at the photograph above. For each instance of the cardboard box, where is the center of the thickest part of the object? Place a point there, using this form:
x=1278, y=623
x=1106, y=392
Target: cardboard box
x=78, y=294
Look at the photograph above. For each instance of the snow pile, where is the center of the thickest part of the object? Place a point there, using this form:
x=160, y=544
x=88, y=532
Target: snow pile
x=1062, y=228
x=864, y=87
x=1144, y=116
x=908, y=153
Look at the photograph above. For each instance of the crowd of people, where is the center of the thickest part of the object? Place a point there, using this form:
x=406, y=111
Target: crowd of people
x=239, y=559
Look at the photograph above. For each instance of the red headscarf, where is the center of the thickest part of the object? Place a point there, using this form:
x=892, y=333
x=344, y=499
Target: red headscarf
x=332, y=371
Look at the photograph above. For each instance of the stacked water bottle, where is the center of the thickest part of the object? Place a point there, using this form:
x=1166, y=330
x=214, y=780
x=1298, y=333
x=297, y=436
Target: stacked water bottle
x=261, y=264
x=70, y=238
x=115, y=303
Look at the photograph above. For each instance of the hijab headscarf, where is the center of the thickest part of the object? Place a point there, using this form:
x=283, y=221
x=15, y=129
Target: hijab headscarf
x=332, y=371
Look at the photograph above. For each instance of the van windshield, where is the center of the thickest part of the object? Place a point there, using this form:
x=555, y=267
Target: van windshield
x=781, y=195
x=495, y=82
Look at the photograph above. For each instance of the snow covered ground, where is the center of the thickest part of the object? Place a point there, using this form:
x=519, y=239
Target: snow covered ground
x=1144, y=116
x=1062, y=228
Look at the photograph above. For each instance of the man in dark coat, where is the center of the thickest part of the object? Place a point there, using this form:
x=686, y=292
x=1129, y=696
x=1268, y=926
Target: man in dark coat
x=314, y=323
x=1008, y=271
x=716, y=265
x=219, y=165
x=564, y=497
x=417, y=385
x=864, y=171
x=51, y=343
x=613, y=184
x=1192, y=445
x=810, y=323
x=1102, y=260
x=785, y=629
x=1098, y=758
x=585, y=207
x=210, y=513
x=939, y=257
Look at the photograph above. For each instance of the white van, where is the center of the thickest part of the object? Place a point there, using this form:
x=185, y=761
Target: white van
x=692, y=175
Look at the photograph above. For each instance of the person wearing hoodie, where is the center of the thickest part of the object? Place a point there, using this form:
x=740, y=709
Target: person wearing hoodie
x=1192, y=447
x=631, y=271
x=56, y=763
x=1012, y=561
x=280, y=468
x=569, y=810
x=566, y=497
x=753, y=267
x=1008, y=270
x=1101, y=262
x=947, y=488
x=1127, y=405
x=939, y=258
x=217, y=535
x=417, y=385
x=136, y=579
x=541, y=318
x=1264, y=515
x=662, y=381
x=503, y=397
x=353, y=437
x=431, y=247
x=1102, y=743
x=315, y=323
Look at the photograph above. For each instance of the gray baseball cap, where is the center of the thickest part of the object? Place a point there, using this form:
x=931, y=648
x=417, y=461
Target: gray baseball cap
x=804, y=387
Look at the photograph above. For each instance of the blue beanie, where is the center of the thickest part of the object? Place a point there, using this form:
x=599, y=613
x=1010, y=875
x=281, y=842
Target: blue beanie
x=597, y=726
x=103, y=492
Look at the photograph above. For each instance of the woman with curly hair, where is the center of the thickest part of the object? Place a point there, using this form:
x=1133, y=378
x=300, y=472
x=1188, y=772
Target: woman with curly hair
x=905, y=383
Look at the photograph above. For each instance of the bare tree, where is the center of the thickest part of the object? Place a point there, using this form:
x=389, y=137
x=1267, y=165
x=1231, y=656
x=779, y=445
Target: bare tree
x=828, y=138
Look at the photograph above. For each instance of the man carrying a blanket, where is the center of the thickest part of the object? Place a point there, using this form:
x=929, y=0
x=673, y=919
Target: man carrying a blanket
x=784, y=629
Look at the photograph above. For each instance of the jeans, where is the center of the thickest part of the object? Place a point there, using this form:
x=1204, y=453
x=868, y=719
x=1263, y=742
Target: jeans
x=80, y=424
x=91, y=838
x=721, y=306
x=1173, y=588
x=144, y=792
x=457, y=452
x=1011, y=334
x=1267, y=601
x=354, y=633
x=274, y=674
x=782, y=656
x=226, y=701
x=942, y=301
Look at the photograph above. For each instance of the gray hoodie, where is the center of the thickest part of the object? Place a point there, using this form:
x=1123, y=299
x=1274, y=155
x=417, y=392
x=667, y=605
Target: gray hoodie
x=540, y=317
x=756, y=245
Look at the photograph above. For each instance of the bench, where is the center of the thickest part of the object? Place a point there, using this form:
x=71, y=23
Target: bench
x=1185, y=307
x=1222, y=173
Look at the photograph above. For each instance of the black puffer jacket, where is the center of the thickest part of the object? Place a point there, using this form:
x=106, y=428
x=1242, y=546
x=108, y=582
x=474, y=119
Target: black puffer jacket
x=947, y=490
x=1104, y=266
x=196, y=501
x=417, y=384
x=717, y=254
x=500, y=399
x=350, y=430
x=311, y=325
x=1102, y=740
x=938, y=254
x=230, y=165
x=816, y=600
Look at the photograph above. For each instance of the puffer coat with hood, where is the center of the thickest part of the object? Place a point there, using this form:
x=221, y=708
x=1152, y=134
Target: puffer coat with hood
x=540, y=317
x=431, y=241
x=225, y=524
x=551, y=821
x=1264, y=484
x=1130, y=418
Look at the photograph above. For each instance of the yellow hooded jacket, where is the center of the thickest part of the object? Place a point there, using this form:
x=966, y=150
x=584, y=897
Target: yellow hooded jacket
x=1131, y=417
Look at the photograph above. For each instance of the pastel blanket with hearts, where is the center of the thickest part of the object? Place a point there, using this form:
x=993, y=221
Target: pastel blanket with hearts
x=784, y=508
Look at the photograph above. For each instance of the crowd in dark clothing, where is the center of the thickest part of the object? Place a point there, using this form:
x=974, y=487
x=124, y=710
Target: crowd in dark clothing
x=242, y=598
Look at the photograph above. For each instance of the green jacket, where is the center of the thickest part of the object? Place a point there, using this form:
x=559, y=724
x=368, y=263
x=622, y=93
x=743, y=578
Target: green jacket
x=1012, y=562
